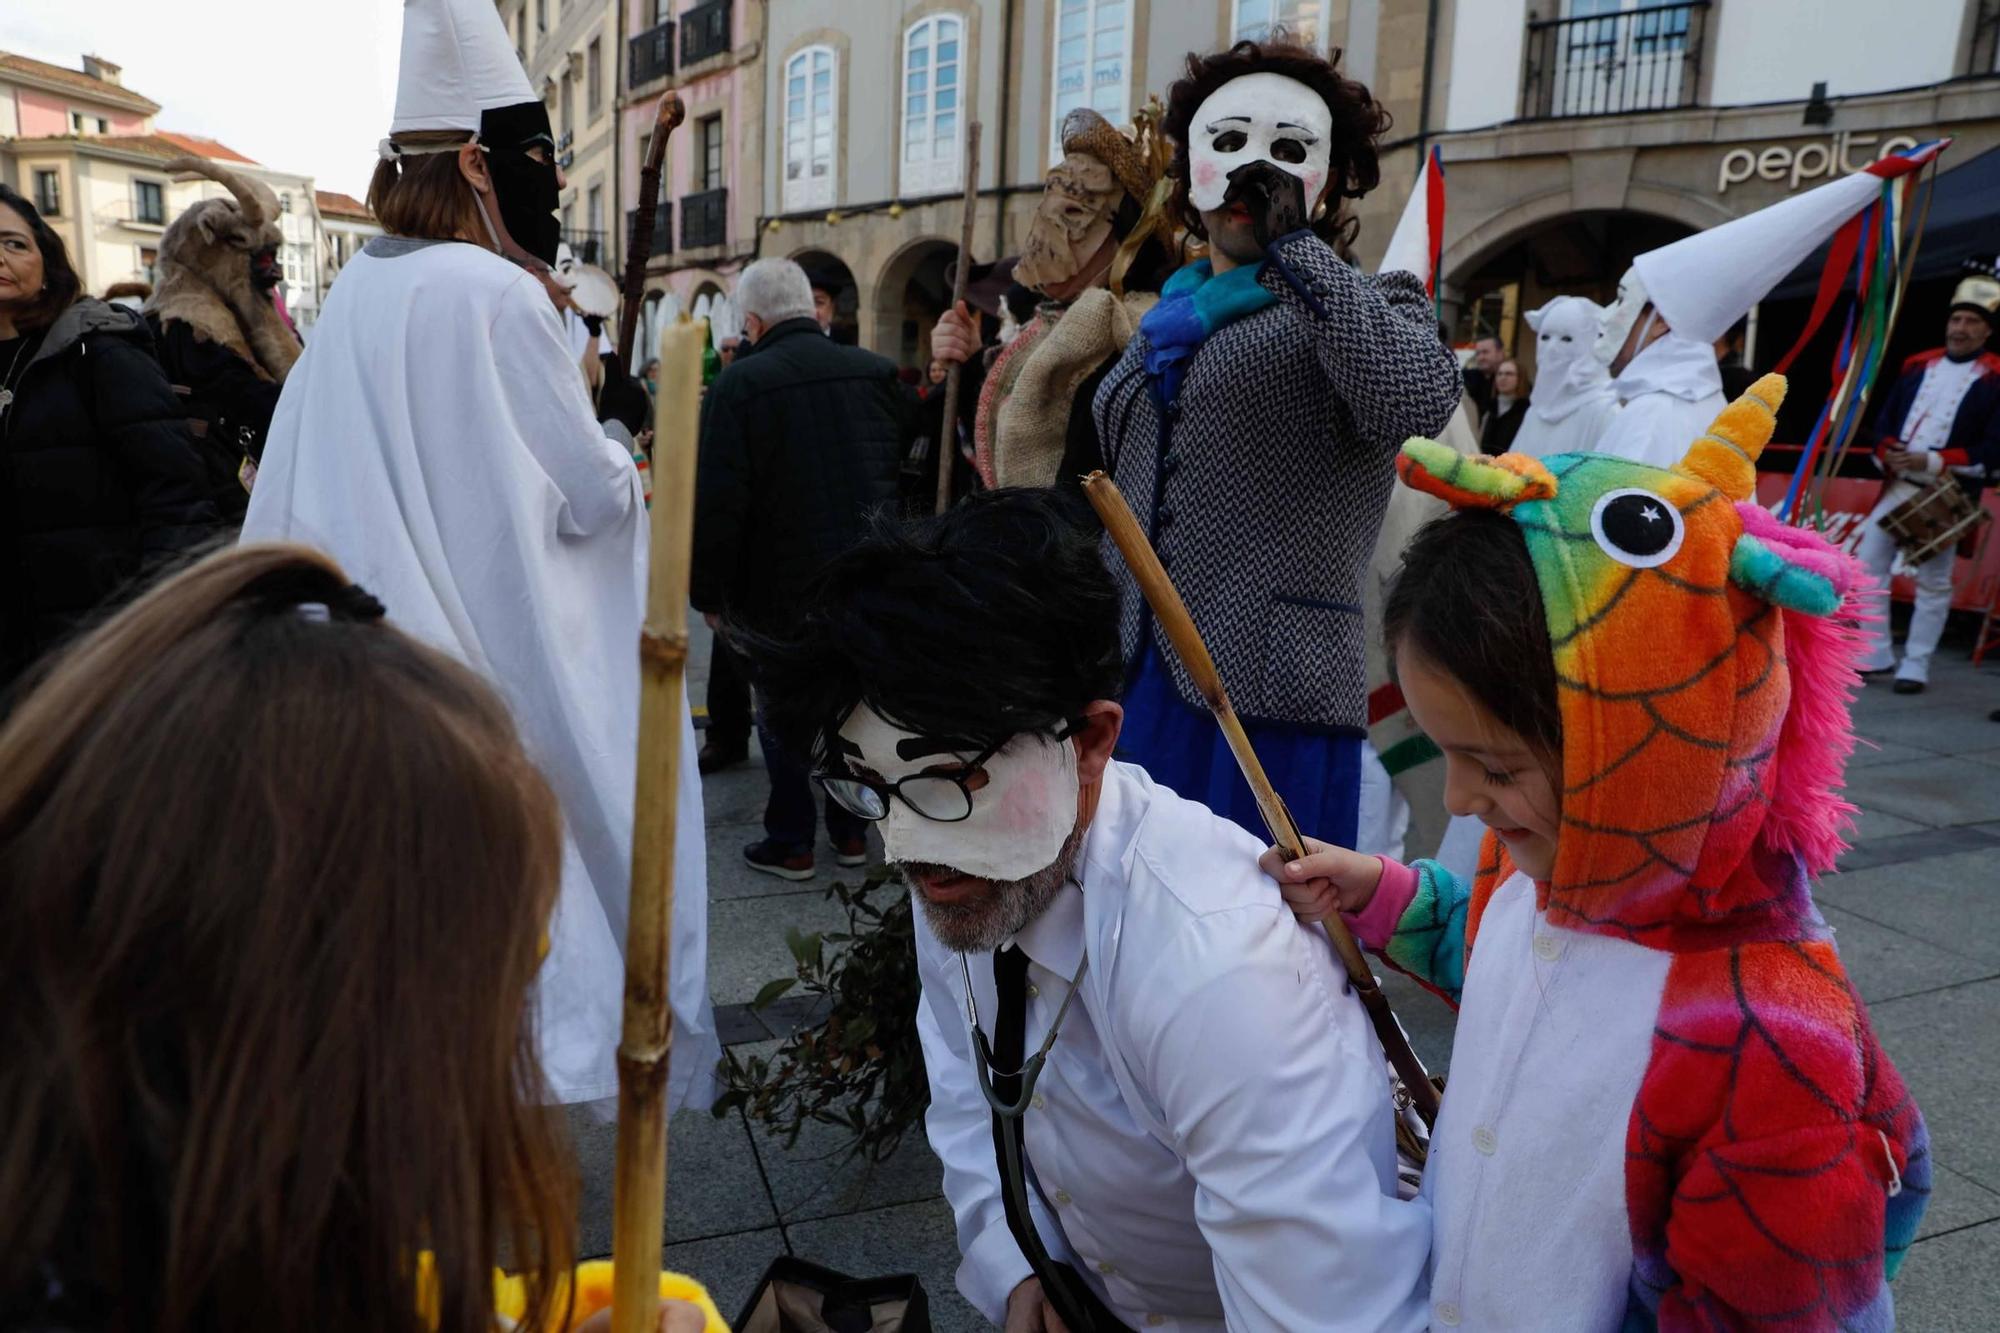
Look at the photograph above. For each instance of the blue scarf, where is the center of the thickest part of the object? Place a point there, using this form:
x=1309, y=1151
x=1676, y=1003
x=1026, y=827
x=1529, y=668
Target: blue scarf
x=1195, y=303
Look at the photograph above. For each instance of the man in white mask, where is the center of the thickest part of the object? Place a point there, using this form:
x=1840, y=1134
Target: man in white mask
x=1209, y=1142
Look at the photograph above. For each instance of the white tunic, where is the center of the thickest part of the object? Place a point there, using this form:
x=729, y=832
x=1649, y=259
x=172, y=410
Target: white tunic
x=436, y=439
x=1671, y=394
x=1212, y=1130
x=1526, y=1175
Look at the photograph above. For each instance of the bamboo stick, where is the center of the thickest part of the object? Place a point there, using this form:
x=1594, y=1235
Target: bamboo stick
x=646, y=1046
x=948, y=431
x=1178, y=626
x=640, y=248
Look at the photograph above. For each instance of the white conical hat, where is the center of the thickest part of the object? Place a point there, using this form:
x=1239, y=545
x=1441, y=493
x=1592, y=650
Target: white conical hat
x=456, y=63
x=1421, y=229
x=1702, y=285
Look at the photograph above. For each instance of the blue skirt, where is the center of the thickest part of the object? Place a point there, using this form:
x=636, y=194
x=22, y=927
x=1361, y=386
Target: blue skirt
x=1317, y=773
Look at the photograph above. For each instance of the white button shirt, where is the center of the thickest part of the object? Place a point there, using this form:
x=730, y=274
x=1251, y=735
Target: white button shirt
x=1212, y=1132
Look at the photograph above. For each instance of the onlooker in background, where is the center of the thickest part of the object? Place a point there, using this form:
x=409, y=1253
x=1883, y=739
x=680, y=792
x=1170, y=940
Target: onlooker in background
x=1486, y=357
x=256, y=1030
x=1942, y=417
x=650, y=377
x=826, y=298
x=1737, y=377
x=1510, y=408
x=800, y=439
x=99, y=479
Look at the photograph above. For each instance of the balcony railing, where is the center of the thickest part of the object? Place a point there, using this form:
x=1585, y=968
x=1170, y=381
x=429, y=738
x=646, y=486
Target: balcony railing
x=663, y=227
x=704, y=218
x=652, y=54
x=1646, y=59
x=704, y=31
x=590, y=247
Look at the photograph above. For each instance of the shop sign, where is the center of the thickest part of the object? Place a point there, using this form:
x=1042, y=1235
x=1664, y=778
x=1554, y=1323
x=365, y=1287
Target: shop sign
x=1822, y=159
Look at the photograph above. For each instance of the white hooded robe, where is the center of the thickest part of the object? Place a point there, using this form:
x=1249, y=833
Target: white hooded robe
x=436, y=439
x=1573, y=399
x=1671, y=394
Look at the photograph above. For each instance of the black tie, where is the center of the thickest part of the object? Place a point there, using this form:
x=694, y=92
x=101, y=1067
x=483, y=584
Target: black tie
x=1068, y=1293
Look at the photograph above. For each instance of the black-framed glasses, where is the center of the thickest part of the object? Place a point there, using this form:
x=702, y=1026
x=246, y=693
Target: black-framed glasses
x=944, y=797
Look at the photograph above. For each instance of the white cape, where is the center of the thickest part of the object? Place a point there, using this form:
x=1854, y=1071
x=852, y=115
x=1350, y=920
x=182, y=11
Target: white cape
x=437, y=440
x=1672, y=394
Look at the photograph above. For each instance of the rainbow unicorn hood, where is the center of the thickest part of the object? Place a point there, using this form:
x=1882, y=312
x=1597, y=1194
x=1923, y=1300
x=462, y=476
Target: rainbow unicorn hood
x=1705, y=667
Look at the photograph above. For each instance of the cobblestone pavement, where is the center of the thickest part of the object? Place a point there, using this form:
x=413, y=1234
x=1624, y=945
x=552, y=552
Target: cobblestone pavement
x=1916, y=906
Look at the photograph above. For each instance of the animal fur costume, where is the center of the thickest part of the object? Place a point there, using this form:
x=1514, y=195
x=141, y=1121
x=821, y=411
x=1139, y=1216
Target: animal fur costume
x=1034, y=401
x=1669, y=1110
x=223, y=342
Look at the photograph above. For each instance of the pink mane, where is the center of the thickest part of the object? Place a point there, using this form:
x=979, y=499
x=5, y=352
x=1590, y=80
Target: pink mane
x=1807, y=814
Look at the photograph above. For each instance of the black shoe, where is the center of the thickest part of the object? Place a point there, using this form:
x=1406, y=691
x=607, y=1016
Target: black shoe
x=715, y=757
x=775, y=858
x=1909, y=687
x=1993, y=716
x=852, y=854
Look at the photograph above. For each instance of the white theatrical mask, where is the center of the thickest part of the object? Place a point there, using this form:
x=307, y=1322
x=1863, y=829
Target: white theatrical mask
x=1565, y=330
x=1260, y=117
x=1020, y=817
x=1616, y=325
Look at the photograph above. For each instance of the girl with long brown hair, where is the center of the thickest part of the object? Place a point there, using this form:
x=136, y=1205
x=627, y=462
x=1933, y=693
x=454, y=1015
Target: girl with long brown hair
x=274, y=882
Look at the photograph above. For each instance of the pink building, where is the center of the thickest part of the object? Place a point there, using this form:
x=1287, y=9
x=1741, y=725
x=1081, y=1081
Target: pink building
x=710, y=188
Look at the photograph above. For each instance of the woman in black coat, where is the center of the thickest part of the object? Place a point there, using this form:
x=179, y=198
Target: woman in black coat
x=99, y=479
x=1510, y=408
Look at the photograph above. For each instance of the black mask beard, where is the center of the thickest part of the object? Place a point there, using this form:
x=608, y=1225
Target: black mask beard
x=525, y=189
x=265, y=270
x=528, y=198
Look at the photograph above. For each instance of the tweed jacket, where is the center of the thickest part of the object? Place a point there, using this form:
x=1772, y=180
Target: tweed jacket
x=1263, y=486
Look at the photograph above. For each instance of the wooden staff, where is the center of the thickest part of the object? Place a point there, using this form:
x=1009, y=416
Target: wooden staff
x=948, y=431
x=666, y=120
x=1178, y=626
x=644, y=1050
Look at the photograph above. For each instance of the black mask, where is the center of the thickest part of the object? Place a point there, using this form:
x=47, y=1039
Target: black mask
x=265, y=270
x=525, y=189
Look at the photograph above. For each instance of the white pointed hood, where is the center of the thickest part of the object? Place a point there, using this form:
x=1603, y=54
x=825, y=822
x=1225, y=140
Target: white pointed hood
x=1703, y=284
x=456, y=64
x=1419, y=234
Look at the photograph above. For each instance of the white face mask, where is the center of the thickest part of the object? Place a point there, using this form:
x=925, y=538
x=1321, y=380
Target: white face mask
x=1565, y=332
x=1261, y=117
x=1616, y=325
x=1020, y=817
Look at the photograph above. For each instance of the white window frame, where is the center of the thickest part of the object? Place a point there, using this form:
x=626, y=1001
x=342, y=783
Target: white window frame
x=808, y=191
x=1237, y=33
x=933, y=173
x=1117, y=114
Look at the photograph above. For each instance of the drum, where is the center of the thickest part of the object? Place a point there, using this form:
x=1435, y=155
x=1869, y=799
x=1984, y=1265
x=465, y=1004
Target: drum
x=1935, y=519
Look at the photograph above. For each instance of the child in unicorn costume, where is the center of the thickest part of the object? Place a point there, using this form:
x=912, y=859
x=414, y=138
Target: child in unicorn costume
x=1667, y=1108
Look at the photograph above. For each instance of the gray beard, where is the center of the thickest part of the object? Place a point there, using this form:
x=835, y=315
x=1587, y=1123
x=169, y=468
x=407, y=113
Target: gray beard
x=985, y=925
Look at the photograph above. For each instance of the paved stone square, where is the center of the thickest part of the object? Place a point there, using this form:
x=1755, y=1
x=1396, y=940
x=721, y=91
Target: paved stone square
x=1916, y=907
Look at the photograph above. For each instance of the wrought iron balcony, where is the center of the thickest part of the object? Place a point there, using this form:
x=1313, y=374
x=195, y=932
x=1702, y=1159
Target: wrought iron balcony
x=1608, y=64
x=663, y=227
x=704, y=31
x=652, y=54
x=590, y=247
x=704, y=218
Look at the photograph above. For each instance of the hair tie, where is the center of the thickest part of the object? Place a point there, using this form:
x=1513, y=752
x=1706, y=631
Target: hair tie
x=357, y=604
x=387, y=150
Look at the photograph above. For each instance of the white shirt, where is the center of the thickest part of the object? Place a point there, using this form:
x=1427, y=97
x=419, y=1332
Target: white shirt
x=436, y=439
x=1526, y=1174
x=1672, y=394
x=1212, y=1129
x=1927, y=427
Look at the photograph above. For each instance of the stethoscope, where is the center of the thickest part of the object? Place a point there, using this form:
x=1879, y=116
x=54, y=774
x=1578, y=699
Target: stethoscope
x=1031, y=1072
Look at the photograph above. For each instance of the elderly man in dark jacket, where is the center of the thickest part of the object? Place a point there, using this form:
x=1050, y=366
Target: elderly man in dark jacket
x=801, y=439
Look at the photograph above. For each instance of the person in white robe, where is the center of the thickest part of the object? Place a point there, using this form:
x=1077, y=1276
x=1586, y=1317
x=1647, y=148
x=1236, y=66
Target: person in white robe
x=1573, y=392
x=1675, y=302
x=437, y=439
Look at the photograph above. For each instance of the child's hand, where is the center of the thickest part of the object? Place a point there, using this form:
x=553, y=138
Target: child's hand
x=1326, y=878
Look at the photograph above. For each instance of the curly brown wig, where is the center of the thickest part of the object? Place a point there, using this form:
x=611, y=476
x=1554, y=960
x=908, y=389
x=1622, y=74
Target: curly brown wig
x=1358, y=122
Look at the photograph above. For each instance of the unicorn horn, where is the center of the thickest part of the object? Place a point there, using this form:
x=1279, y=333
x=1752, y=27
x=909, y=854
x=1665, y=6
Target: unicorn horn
x=1726, y=457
